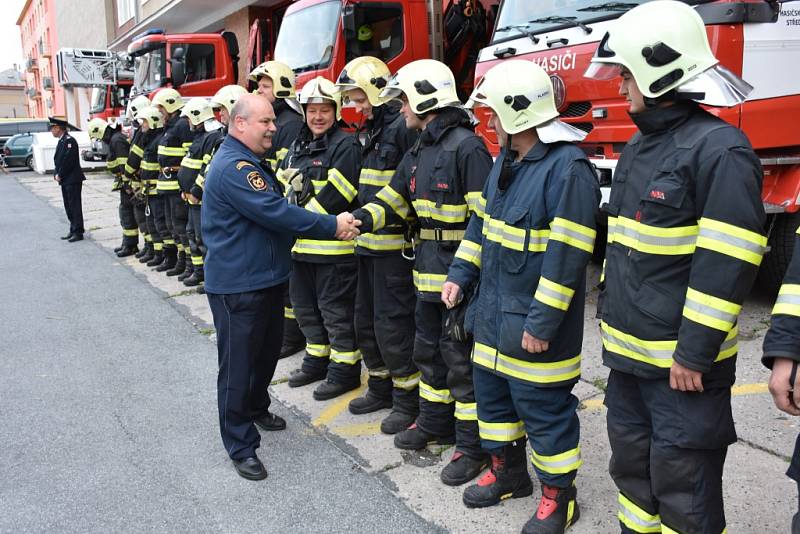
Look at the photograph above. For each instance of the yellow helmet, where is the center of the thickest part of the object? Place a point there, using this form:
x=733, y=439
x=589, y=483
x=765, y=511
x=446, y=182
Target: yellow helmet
x=428, y=85
x=198, y=110
x=135, y=105
x=97, y=128
x=322, y=91
x=227, y=96
x=152, y=115
x=367, y=73
x=282, y=76
x=664, y=45
x=169, y=99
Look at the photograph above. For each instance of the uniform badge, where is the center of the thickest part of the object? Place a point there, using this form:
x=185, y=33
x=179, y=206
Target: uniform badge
x=256, y=181
x=242, y=164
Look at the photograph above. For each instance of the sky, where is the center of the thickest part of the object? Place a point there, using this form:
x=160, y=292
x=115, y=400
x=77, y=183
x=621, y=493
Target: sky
x=10, y=43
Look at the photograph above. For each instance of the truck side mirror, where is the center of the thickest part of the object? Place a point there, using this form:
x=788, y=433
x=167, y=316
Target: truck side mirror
x=178, y=66
x=349, y=23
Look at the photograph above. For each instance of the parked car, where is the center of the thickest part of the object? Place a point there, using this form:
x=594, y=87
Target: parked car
x=18, y=150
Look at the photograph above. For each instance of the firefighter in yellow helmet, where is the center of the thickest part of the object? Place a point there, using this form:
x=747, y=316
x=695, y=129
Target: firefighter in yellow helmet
x=152, y=127
x=132, y=170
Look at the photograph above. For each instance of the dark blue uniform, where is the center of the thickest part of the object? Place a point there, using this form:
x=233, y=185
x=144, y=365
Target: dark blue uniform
x=68, y=168
x=249, y=228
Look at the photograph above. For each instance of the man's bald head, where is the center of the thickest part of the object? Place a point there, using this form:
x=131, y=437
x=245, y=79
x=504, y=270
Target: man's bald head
x=252, y=122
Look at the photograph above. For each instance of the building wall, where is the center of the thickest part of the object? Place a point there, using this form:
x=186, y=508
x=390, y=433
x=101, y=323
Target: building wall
x=12, y=102
x=37, y=22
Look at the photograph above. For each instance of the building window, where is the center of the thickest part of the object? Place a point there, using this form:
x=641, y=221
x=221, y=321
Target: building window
x=126, y=10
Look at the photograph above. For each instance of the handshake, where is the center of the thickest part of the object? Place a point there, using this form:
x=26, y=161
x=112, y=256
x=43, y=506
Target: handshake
x=347, y=226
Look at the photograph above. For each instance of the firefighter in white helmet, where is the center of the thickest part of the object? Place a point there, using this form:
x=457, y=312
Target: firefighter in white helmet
x=132, y=173
x=152, y=125
x=685, y=239
x=436, y=186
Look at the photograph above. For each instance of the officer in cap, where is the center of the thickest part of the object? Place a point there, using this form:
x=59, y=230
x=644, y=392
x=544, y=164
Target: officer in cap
x=69, y=176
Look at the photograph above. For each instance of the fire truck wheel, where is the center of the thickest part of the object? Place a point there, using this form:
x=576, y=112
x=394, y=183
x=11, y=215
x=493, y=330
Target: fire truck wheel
x=781, y=245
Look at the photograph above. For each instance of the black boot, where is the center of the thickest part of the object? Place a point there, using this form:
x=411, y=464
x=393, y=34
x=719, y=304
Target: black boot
x=170, y=258
x=397, y=422
x=369, y=403
x=130, y=250
x=147, y=246
x=197, y=278
x=187, y=272
x=508, y=478
x=180, y=265
x=117, y=249
x=299, y=378
x=330, y=390
x=414, y=439
x=155, y=259
x=462, y=468
x=558, y=510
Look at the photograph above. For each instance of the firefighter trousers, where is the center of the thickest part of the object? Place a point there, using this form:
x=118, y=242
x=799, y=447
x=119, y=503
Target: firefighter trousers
x=158, y=208
x=127, y=219
x=140, y=214
x=323, y=299
x=153, y=207
x=508, y=409
x=446, y=396
x=292, y=335
x=194, y=235
x=668, y=450
x=384, y=319
x=175, y=216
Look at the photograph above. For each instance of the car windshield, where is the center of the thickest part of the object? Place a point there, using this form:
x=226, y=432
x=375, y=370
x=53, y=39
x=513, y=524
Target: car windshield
x=98, y=99
x=521, y=17
x=148, y=71
x=317, y=24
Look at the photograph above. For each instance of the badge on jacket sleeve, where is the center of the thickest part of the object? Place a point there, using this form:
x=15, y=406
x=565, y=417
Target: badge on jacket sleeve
x=256, y=181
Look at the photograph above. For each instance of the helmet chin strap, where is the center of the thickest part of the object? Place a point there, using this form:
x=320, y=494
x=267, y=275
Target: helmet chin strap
x=506, y=173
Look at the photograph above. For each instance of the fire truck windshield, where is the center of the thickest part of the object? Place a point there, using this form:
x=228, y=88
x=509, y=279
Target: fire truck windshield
x=149, y=71
x=523, y=17
x=98, y=103
x=306, y=38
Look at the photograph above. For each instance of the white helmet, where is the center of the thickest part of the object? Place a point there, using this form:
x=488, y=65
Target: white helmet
x=367, y=73
x=428, y=85
x=152, y=115
x=521, y=95
x=664, y=45
x=198, y=110
x=96, y=128
x=322, y=91
x=227, y=96
x=169, y=99
x=282, y=76
x=136, y=105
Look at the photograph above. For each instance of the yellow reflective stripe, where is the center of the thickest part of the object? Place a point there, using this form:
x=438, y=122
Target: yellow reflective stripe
x=191, y=163
x=171, y=151
x=378, y=215
x=379, y=373
x=169, y=241
x=558, y=464
x=635, y=518
x=480, y=207
x=148, y=166
x=381, y=242
x=513, y=238
x=207, y=158
x=505, y=432
x=341, y=184
x=466, y=411
x=280, y=155
x=406, y=383
x=648, y=239
x=318, y=351
x=603, y=272
x=449, y=213
x=473, y=200
x=187, y=144
x=129, y=169
x=114, y=163
x=288, y=313
x=158, y=246
x=197, y=261
x=313, y=205
x=435, y=395
x=429, y=282
x=167, y=185
x=469, y=251
x=710, y=311
x=656, y=353
x=130, y=233
x=536, y=372
x=318, y=185
x=731, y=240
x=553, y=294
x=136, y=149
x=395, y=201
x=325, y=248
x=573, y=234
x=788, y=302
x=148, y=237
x=346, y=357
x=200, y=181
x=375, y=177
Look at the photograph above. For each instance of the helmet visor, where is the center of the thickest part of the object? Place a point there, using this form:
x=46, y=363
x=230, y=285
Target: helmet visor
x=603, y=71
x=554, y=131
x=717, y=87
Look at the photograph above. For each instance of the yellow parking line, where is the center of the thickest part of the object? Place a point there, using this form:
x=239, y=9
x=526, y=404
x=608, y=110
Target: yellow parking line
x=357, y=430
x=332, y=412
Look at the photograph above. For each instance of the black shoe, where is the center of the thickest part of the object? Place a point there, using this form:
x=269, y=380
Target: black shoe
x=368, y=403
x=124, y=252
x=156, y=260
x=187, y=272
x=65, y=237
x=143, y=251
x=75, y=237
x=558, y=510
x=148, y=256
x=330, y=390
x=300, y=378
x=507, y=479
x=289, y=350
x=462, y=468
x=414, y=439
x=179, y=266
x=397, y=422
x=167, y=263
x=195, y=279
x=117, y=249
x=271, y=422
x=250, y=468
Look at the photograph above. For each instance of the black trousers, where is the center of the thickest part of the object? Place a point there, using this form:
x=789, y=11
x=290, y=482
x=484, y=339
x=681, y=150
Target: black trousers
x=668, y=451
x=323, y=297
x=127, y=219
x=249, y=331
x=384, y=320
x=71, y=194
x=140, y=214
x=179, y=218
x=154, y=206
x=158, y=207
x=446, y=382
x=194, y=233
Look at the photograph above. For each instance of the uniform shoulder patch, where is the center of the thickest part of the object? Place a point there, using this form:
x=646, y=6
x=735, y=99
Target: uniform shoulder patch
x=256, y=181
x=242, y=164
